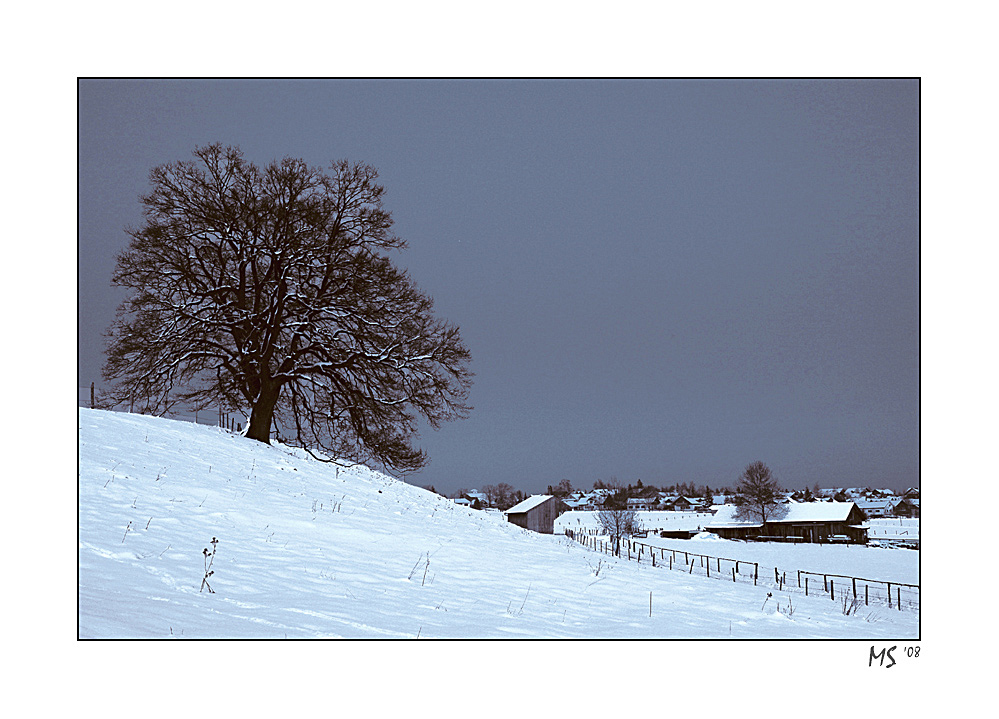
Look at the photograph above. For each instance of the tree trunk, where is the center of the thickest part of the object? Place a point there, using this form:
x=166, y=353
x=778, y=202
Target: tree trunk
x=262, y=415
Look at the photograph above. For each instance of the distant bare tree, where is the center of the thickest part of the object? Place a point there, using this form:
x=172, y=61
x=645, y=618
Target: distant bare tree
x=758, y=496
x=506, y=495
x=617, y=523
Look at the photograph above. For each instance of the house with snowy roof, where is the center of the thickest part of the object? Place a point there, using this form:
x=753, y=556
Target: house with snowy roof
x=800, y=522
x=641, y=504
x=876, y=507
x=474, y=495
x=537, y=513
x=683, y=504
x=575, y=503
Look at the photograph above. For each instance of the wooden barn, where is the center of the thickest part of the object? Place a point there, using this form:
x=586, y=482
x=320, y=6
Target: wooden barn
x=537, y=513
x=804, y=522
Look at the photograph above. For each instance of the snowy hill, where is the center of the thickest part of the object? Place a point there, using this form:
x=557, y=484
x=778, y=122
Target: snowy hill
x=306, y=549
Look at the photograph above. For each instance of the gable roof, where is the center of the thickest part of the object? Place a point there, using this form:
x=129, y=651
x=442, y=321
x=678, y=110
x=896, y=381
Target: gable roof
x=874, y=503
x=529, y=503
x=796, y=512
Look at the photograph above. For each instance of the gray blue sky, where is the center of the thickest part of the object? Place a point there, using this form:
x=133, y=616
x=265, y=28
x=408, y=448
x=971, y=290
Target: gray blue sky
x=658, y=280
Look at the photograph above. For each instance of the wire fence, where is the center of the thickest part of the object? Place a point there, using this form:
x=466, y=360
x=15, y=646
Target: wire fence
x=851, y=592
x=86, y=397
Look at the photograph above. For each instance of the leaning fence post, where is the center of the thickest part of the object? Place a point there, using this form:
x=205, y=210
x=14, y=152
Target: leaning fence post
x=733, y=574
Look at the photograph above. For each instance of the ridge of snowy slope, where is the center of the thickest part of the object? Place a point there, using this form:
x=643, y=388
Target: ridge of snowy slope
x=307, y=549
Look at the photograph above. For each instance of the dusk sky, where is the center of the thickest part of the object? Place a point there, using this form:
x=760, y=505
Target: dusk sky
x=657, y=280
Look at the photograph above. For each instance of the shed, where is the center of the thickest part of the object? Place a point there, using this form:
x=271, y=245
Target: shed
x=803, y=522
x=537, y=513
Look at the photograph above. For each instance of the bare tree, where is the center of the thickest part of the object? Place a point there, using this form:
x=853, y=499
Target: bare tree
x=758, y=496
x=269, y=291
x=617, y=523
x=506, y=495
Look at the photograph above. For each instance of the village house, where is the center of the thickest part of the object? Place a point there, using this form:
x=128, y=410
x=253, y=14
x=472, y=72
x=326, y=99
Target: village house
x=474, y=495
x=641, y=504
x=876, y=507
x=907, y=508
x=537, y=513
x=803, y=522
x=683, y=504
x=576, y=502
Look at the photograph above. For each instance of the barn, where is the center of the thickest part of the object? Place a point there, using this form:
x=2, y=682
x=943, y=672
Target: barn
x=537, y=513
x=803, y=522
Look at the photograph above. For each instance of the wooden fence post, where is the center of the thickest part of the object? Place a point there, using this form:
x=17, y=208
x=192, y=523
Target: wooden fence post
x=889, y=594
x=806, y=586
x=93, y=405
x=756, y=572
x=832, y=590
x=733, y=574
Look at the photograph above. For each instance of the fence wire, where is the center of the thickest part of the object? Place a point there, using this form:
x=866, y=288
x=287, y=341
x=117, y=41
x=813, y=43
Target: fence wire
x=209, y=417
x=852, y=592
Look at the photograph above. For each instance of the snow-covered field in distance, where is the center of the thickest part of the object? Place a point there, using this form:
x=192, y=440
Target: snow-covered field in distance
x=868, y=562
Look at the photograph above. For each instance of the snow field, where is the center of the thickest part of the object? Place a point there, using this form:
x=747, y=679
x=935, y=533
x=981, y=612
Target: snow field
x=308, y=550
